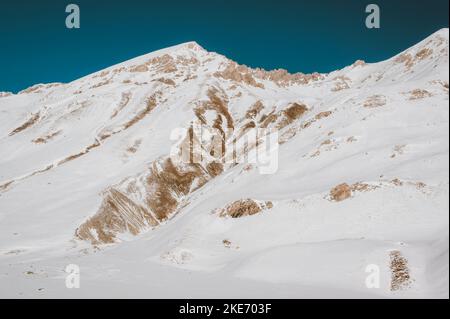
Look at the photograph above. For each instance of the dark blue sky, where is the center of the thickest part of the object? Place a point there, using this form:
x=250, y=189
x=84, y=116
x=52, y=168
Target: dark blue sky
x=306, y=36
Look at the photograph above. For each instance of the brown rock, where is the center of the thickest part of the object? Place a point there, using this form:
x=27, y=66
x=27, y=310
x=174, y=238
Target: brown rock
x=241, y=208
x=400, y=276
x=341, y=192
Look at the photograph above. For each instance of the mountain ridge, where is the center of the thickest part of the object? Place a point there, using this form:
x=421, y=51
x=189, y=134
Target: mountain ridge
x=361, y=158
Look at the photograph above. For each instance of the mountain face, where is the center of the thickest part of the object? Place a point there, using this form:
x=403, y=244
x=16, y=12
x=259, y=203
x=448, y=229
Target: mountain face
x=183, y=174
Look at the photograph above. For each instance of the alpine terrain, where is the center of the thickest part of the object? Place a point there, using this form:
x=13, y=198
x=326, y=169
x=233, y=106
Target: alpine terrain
x=182, y=174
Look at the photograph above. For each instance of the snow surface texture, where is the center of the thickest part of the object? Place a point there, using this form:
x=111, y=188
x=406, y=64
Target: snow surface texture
x=362, y=180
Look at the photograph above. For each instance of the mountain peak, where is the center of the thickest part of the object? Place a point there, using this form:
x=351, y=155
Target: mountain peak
x=442, y=32
x=193, y=45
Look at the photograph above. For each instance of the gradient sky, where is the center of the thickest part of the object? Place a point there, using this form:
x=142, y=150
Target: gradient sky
x=306, y=36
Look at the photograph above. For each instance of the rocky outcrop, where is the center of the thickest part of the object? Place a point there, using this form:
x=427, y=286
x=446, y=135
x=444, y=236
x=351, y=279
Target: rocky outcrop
x=243, y=208
x=30, y=122
x=117, y=214
x=245, y=75
x=400, y=273
x=145, y=201
x=341, y=192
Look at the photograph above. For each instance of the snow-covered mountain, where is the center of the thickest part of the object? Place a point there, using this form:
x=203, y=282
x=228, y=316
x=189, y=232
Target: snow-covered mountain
x=95, y=173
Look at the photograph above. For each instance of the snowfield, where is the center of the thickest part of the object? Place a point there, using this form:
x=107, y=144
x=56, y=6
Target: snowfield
x=357, y=207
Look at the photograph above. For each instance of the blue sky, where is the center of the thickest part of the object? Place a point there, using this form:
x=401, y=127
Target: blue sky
x=306, y=36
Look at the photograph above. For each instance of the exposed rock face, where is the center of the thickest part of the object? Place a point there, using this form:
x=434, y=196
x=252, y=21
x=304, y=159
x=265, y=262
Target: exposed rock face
x=418, y=94
x=163, y=64
x=344, y=191
x=375, y=101
x=341, y=83
x=283, y=78
x=322, y=115
x=409, y=60
x=33, y=89
x=400, y=273
x=44, y=139
x=117, y=214
x=170, y=185
x=243, y=74
x=139, y=68
x=30, y=122
x=239, y=73
x=122, y=104
x=254, y=110
x=341, y=192
x=142, y=203
x=243, y=208
x=292, y=113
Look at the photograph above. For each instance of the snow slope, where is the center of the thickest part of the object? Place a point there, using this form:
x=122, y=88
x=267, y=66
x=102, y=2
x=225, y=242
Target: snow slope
x=87, y=178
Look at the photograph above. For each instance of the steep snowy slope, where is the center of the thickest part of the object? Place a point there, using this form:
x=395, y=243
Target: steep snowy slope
x=89, y=176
